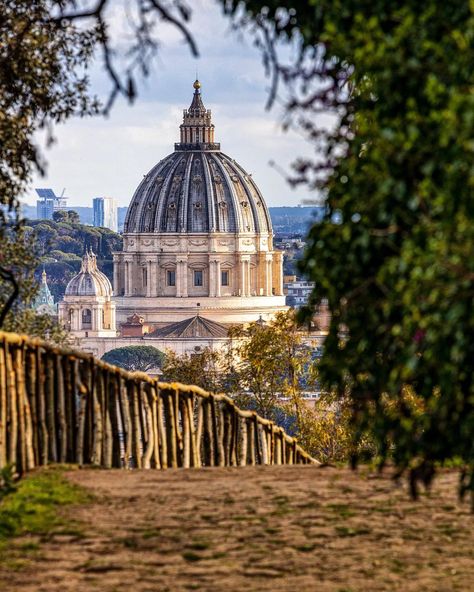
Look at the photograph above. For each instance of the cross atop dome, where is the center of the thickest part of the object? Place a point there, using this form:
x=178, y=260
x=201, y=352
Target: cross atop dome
x=197, y=129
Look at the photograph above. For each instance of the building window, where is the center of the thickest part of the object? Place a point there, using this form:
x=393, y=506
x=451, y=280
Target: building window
x=224, y=278
x=198, y=278
x=171, y=278
x=86, y=319
x=144, y=278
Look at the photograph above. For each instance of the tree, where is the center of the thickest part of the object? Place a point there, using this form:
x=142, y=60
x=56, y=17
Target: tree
x=272, y=361
x=135, y=358
x=73, y=217
x=47, y=46
x=393, y=254
x=205, y=369
x=18, y=287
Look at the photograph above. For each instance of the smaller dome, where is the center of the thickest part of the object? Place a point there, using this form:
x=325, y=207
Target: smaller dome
x=89, y=281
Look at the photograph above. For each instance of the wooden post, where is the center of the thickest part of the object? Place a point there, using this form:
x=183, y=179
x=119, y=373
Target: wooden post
x=209, y=454
x=263, y=438
x=156, y=433
x=171, y=430
x=251, y=439
x=215, y=434
x=3, y=406
x=258, y=452
x=199, y=430
x=22, y=463
x=32, y=394
x=61, y=410
x=83, y=393
x=11, y=407
x=136, y=426
x=150, y=441
x=277, y=449
x=227, y=435
x=221, y=458
x=185, y=422
x=195, y=460
x=177, y=430
x=127, y=422
x=162, y=431
x=43, y=438
x=243, y=442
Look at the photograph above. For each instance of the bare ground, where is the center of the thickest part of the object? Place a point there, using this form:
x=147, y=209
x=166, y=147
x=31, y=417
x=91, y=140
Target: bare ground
x=254, y=529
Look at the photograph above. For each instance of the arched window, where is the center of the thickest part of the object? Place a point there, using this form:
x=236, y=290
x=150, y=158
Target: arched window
x=87, y=318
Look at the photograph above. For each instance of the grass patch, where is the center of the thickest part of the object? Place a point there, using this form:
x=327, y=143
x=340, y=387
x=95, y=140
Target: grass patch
x=306, y=548
x=33, y=507
x=191, y=556
x=345, y=531
x=343, y=510
x=198, y=546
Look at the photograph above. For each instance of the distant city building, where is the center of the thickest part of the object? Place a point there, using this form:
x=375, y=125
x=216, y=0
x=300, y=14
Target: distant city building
x=105, y=212
x=297, y=291
x=48, y=203
x=44, y=301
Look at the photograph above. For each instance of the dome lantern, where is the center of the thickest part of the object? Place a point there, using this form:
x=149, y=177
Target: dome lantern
x=197, y=129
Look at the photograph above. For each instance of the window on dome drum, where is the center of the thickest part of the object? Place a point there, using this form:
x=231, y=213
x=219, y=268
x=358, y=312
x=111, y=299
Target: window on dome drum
x=86, y=319
x=224, y=278
x=144, y=277
x=198, y=278
x=171, y=278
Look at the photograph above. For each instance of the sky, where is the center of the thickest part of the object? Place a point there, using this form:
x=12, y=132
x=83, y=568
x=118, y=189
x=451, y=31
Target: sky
x=108, y=156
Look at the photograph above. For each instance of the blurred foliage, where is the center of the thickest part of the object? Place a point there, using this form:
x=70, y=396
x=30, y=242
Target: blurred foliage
x=134, y=358
x=47, y=47
x=393, y=255
x=43, y=82
x=18, y=287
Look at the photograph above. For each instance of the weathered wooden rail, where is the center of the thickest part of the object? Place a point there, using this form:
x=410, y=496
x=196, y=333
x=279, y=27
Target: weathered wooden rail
x=59, y=405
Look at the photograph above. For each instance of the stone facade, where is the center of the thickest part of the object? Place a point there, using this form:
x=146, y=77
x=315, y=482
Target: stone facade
x=87, y=309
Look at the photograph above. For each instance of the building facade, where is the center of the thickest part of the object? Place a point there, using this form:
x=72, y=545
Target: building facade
x=87, y=309
x=105, y=213
x=197, y=255
x=198, y=236
x=48, y=203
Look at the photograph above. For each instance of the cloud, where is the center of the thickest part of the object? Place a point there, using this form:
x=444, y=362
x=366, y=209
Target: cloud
x=97, y=156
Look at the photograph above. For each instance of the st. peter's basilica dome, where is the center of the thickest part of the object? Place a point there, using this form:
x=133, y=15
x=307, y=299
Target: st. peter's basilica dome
x=198, y=236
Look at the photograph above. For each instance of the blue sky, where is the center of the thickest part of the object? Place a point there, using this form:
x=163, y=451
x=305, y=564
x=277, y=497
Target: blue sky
x=109, y=156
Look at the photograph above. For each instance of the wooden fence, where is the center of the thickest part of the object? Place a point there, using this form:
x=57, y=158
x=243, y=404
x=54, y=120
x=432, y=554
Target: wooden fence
x=59, y=405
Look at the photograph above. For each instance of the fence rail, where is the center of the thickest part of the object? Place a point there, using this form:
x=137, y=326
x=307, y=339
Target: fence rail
x=60, y=405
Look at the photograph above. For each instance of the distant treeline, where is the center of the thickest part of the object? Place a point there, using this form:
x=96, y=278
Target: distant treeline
x=285, y=219
x=61, y=246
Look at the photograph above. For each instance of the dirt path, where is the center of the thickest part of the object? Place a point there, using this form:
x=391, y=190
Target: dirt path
x=256, y=529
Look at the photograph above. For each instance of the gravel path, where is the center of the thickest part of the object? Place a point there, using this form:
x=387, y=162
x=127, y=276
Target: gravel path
x=255, y=529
